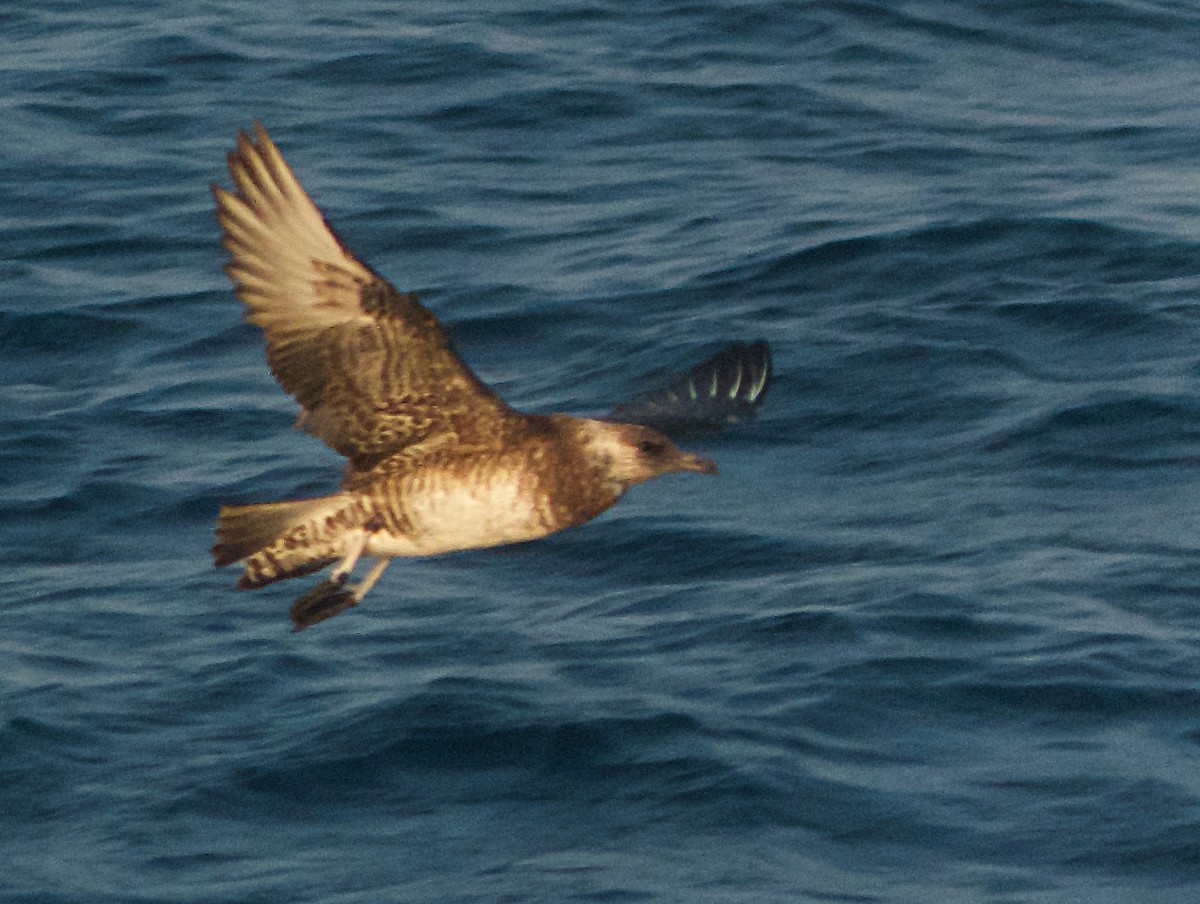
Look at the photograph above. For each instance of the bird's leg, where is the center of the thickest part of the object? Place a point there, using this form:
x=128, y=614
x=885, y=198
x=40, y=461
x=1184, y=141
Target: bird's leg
x=330, y=597
x=355, y=544
x=324, y=601
x=359, y=590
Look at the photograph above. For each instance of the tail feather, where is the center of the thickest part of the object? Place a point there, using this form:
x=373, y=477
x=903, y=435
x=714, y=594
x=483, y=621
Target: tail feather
x=282, y=539
x=245, y=529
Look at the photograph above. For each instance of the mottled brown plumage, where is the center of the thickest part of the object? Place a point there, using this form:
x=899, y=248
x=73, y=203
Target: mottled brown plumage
x=436, y=461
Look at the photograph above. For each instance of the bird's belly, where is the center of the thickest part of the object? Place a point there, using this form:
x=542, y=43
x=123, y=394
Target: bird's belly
x=465, y=516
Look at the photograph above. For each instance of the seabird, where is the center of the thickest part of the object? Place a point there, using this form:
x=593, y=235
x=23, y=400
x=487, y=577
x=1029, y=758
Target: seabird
x=436, y=461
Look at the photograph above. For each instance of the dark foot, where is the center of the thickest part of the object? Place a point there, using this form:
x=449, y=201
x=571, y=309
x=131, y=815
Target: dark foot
x=324, y=601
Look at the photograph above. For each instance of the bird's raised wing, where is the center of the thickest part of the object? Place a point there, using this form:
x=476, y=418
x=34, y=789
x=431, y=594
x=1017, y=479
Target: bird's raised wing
x=369, y=365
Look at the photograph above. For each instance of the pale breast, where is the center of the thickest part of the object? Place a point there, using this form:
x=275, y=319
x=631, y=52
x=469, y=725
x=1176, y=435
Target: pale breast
x=444, y=511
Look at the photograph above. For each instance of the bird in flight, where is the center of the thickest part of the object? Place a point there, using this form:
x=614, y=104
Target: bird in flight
x=436, y=461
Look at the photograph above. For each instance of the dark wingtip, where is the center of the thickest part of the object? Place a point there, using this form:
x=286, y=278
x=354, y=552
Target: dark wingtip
x=726, y=388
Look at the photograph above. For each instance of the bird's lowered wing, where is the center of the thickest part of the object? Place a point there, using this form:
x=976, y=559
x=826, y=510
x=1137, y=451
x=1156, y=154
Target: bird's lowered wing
x=369, y=364
x=725, y=388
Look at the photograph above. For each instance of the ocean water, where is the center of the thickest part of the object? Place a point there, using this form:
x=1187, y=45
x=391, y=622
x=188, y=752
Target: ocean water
x=933, y=633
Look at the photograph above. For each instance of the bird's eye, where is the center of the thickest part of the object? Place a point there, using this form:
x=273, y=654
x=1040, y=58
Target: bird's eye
x=650, y=447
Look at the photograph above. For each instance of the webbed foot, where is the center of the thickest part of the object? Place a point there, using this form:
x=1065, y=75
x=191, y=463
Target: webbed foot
x=324, y=601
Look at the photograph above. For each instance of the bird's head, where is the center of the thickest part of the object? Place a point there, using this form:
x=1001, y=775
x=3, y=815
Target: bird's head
x=632, y=454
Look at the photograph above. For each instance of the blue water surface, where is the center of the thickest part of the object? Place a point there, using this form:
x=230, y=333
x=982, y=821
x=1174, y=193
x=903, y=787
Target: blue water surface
x=933, y=634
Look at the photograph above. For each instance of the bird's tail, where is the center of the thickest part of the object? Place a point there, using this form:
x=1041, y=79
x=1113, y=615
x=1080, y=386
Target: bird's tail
x=283, y=539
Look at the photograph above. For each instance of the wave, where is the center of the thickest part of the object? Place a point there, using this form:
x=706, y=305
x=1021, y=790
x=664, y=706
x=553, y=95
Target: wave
x=1134, y=432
